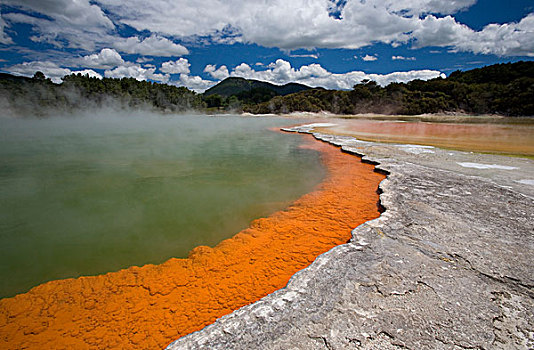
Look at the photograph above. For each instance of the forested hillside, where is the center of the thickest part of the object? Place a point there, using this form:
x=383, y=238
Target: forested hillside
x=506, y=89
x=234, y=92
x=40, y=96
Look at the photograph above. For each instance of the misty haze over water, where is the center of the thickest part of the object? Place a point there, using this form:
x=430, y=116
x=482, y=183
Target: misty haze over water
x=89, y=194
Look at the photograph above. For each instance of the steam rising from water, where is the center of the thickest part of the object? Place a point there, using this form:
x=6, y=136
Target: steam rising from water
x=93, y=193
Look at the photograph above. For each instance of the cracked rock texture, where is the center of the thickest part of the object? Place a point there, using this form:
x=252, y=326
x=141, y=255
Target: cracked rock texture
x=449, y=265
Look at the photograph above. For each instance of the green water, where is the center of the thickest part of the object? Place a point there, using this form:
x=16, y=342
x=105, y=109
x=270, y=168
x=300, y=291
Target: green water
x=89, y=195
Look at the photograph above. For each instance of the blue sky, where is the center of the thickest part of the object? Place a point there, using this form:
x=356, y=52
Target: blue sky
x=329, y=43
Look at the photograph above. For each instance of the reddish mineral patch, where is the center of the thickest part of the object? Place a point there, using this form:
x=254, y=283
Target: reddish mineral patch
x=148, y=307
x=493, y=138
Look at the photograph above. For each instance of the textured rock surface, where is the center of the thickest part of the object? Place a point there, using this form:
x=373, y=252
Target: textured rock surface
x=449, y=265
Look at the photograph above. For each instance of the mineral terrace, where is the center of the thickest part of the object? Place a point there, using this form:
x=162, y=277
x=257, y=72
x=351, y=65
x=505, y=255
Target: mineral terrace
x=448, y=265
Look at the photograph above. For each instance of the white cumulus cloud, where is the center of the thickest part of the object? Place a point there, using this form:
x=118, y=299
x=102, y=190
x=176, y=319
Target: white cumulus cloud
x=289, y=25
x=50, y=69
x=105, y=59
x=131, y=70
x=278, y=72
x=154, y=45
x=194, y=82
x=281, y=72
x=79, y=13
x=217, y=73
x=180, y=66
x=274, y=23
x=89, y=72
x=80, y=23
x=309, y=23
x=509, y=39
x=369, y=58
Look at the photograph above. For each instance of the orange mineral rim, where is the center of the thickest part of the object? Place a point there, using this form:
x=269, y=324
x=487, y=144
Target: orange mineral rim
x=151, y=306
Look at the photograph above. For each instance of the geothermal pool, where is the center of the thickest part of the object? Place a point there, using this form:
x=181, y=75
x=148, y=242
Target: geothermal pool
x=509, y=139
x=150, y=306
x=93, y=194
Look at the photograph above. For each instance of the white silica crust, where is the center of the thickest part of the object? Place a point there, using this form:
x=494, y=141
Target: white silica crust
x=416, y=149
x=527, y=182
x=318, y=125
x=486, y=166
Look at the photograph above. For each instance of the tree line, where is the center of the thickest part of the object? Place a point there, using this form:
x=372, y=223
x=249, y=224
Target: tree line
x=40, y=96
x=506, y=89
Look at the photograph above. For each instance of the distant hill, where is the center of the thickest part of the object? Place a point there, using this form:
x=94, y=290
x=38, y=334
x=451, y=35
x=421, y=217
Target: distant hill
x=14, y=78
x=503, y=73
x=236, y=86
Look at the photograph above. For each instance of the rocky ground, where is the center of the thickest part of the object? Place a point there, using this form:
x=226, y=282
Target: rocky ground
x=448, y=265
